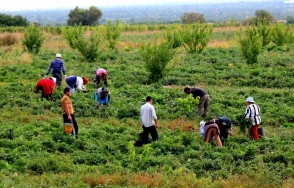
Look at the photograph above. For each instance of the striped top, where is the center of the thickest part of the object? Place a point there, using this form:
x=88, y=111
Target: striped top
x=253, y=111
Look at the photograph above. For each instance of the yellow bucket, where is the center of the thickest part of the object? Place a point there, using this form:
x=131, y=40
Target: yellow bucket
x=68, y=127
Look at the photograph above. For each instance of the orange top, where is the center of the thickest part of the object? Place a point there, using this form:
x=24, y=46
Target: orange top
x=66, y=101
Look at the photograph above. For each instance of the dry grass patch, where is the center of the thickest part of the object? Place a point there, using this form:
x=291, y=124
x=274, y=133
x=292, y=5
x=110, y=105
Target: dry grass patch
x=9, y=39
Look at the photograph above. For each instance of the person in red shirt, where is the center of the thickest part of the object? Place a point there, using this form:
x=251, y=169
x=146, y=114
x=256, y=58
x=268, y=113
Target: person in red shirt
x=46, y=85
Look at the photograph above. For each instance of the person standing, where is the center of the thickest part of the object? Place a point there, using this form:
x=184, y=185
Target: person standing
x=57, y=65
x=253, y=112
x=101, y=75
x=149, y=121
x=68, y=111
x=204, y=99
x=74, y=82
x=46, y=85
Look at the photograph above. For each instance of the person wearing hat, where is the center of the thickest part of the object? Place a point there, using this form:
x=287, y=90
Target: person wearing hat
x=217, y=129
x=204, y=99
x=253, y=112
x=102, y=96
x=46, y=85
x=57, y=65
x=101, y=75
x=74, y=82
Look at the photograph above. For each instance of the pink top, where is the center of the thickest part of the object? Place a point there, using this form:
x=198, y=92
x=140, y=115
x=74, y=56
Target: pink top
x=100, y=71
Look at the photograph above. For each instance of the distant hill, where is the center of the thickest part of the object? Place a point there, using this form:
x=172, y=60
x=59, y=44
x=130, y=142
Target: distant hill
x=166, y=13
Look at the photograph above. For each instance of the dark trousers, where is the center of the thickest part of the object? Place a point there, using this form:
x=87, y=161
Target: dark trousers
x=152, y=130
x=40, y=88
x=58, y=77
x=98, y=79
x=66, y=120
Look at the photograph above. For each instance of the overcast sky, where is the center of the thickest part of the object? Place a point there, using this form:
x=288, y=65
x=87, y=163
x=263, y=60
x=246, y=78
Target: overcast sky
x=11, y=5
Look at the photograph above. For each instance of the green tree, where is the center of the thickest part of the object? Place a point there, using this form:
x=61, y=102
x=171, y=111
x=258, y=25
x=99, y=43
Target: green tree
x=250, y=44
x=156, y=56
x=290, y=19
x=8, y=20
x=192, y=17
x=33, y=39
x=113, y=33
x=84, y=17
x=282, y=34
x=264, y=16
x=196, y=37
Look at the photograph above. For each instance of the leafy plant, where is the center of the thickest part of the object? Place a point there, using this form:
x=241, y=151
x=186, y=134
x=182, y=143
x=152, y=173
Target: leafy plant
x=174, y=37
x=113, y=33
x=156, y=56
x=33, y=39
x=250, y=44
x=188, y=102
x=72, y=34
x=89, y=47
x=282, y=34
x=195, y=37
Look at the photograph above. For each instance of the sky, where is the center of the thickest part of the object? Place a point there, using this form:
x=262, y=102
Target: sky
x=14, y=5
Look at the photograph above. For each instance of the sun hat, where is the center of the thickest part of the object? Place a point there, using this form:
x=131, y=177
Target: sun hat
x=249, y=99
x=54, y=79
x=58, y=55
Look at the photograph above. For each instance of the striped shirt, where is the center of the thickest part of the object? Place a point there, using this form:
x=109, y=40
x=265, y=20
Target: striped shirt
x=253, y=111
x=148, y=115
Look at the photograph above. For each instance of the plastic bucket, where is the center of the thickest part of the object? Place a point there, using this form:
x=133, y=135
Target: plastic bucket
x=260, y=132
x=68, y=127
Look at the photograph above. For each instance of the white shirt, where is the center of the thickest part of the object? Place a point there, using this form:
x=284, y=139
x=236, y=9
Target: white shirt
x=80, y=83
x=148, y=115
x=253, y=112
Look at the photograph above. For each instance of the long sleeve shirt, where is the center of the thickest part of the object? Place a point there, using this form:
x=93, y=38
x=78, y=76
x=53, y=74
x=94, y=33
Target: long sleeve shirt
x=253, y=112
x=148, y=114
x=47, y=85
x=75, y=82
x=57, y=66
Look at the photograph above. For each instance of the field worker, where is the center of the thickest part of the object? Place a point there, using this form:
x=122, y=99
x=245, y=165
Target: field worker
x=101, y=75
x=253, y=112
x=46, y=85
x=149, y=121
x=223, y=129
x=57, y=65
x=204, y=99
x=102, y=96
x=74, y=82
x=68, y=111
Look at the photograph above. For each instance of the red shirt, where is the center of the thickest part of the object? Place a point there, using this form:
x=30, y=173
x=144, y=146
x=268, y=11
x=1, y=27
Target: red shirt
x=47, y=85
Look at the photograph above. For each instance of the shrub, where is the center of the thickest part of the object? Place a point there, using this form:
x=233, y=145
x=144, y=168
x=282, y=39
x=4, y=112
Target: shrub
x=33, y=39
x=89, y=46
x=8, y=39
x=196, y=37
x=113, y=33
x=250, y=44
x=282, y=34
x=156, y=57
x=71, y=34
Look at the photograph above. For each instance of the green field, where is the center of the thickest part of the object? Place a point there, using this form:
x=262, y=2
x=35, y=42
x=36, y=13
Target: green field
x=34, y=152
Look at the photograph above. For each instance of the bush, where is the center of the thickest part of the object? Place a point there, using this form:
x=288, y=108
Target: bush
x=33, y=39
x=156, y=57
x=250, y=44
x=196, y=37
x=8, y=39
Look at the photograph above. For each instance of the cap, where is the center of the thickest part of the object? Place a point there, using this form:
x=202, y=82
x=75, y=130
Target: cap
x=249, y=99
x=86, y=81
x=58, y=55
